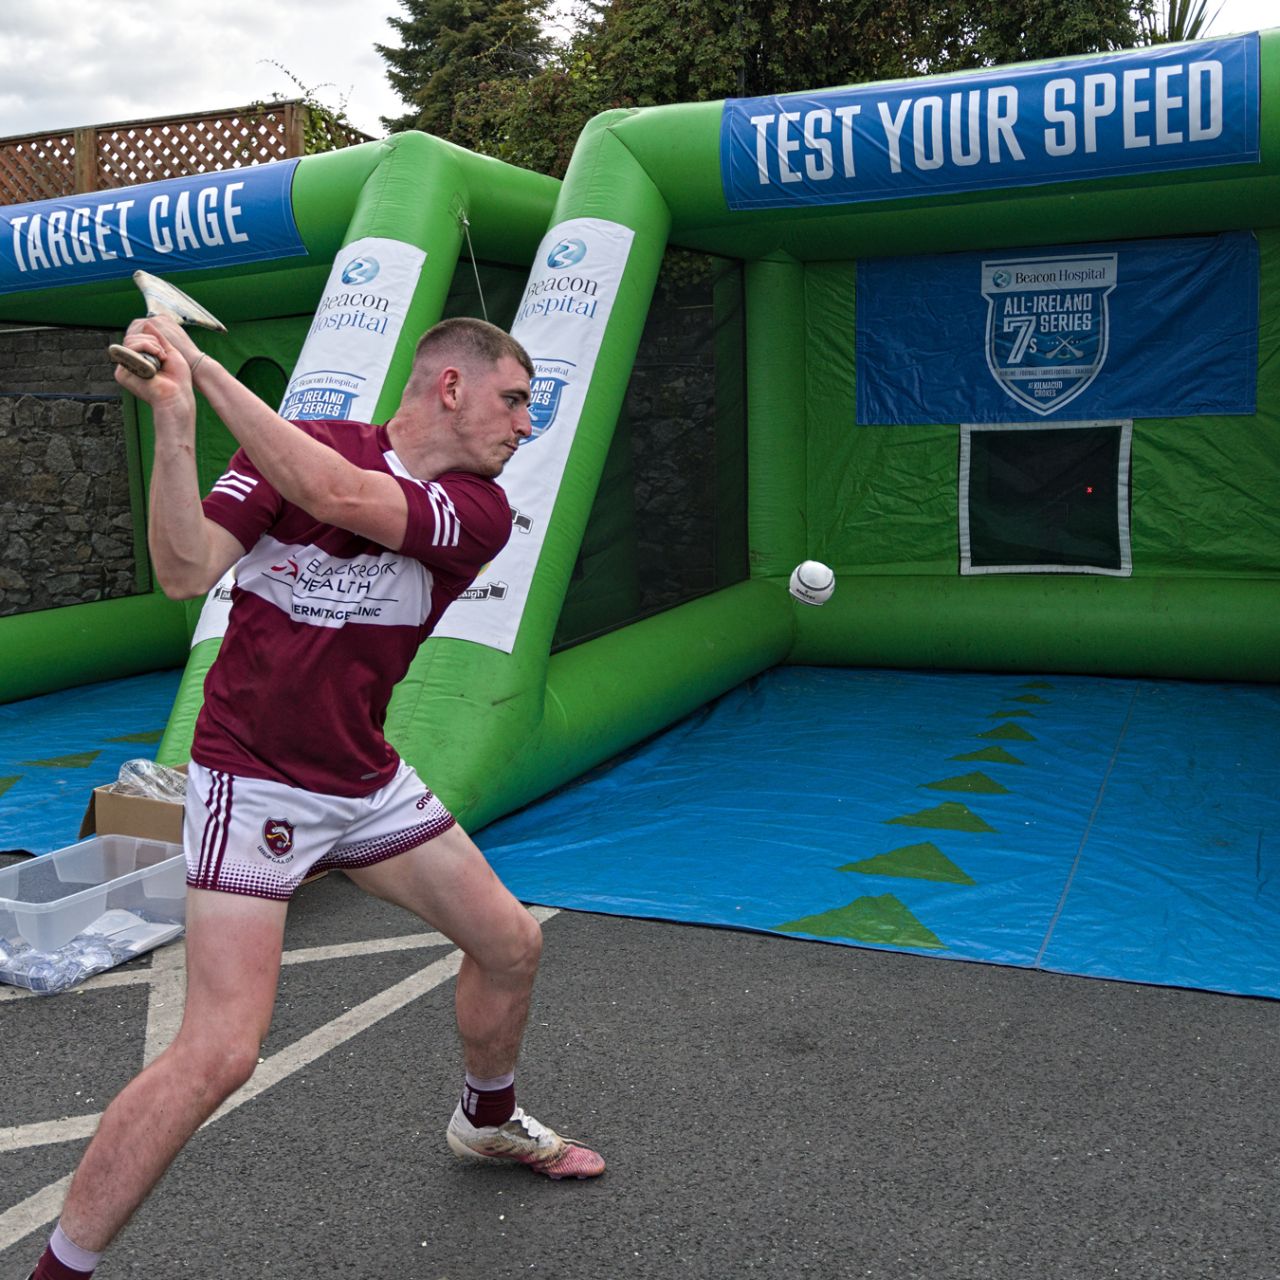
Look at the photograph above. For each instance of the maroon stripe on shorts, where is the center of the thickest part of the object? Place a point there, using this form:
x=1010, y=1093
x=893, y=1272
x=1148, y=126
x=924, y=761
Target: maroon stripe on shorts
x=217, y=828
x=229, y=784
x=206, y=834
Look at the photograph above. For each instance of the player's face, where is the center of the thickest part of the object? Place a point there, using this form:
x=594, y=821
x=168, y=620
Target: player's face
x=494, y=417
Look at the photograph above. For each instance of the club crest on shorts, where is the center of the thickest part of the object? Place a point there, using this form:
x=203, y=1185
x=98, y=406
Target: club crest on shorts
x=277, y=836
x=1048, y=325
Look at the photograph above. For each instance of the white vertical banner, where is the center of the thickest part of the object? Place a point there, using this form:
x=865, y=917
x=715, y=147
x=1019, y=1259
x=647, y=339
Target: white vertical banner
x=343, y=364
x=215, y=613
x=560, y=322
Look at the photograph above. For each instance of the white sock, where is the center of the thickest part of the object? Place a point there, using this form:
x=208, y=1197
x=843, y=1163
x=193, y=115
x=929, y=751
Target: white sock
x=71, y=1254
x=488, y=1086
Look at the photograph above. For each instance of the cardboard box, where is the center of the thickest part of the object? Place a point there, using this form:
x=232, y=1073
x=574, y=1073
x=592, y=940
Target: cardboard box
x=110, y=813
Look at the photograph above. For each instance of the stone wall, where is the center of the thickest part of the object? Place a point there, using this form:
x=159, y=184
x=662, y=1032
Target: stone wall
x=56, y=361
x=66, y=523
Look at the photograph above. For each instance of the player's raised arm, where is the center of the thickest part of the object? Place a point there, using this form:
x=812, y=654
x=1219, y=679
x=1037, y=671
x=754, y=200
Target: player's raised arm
x=304, y=471
x=188, y=551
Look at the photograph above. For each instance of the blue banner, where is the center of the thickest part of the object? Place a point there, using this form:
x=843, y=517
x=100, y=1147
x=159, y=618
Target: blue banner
x=1170, y=107
x=208, y=220
x=1133, y=329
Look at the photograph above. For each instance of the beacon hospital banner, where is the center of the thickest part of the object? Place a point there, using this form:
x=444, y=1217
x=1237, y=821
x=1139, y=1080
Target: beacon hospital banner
x=560, y=321
x=1129, y=329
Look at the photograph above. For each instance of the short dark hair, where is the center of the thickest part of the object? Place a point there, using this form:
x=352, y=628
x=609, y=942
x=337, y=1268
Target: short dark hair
x=463, y=337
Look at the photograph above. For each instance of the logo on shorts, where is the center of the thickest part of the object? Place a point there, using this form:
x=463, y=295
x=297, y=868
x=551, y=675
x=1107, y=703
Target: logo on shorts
x=277, y=835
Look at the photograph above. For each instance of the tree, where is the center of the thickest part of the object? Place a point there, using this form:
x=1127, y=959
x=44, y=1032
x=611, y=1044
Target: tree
x=450, y=47
x=1178, y=20
x=638, y=53
x=325, y=128
x=478, y=73
x=980, y=33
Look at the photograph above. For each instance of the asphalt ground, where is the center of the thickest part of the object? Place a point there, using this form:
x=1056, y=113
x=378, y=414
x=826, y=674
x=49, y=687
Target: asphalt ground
x=768, y=1106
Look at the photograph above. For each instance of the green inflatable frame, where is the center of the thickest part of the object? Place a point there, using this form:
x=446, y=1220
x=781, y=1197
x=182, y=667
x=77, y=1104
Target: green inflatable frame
x=492, y=731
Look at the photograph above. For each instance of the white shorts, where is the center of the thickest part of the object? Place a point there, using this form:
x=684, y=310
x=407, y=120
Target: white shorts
x=259, y=838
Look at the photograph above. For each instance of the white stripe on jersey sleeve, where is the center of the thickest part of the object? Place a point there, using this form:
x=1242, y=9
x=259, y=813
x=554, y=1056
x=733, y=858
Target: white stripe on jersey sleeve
x=448, y=526
x=235, y=485
x=448, y=530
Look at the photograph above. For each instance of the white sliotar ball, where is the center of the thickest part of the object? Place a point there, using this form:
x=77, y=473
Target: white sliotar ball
x=812, y=582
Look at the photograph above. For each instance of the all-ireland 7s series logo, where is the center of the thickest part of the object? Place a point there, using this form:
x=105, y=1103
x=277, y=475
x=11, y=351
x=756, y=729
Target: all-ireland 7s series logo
x=1048, y=325
x=550, y=377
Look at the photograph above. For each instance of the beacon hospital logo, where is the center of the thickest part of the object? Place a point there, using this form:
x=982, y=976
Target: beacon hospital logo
x=568, y=253
x=1047, y=326
x=361, y=270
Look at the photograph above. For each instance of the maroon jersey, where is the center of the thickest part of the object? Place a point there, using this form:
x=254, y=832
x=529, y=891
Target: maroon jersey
x=324, y=623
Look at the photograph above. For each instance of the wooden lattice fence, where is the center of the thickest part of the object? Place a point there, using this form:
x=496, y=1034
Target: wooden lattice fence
x=43, y=166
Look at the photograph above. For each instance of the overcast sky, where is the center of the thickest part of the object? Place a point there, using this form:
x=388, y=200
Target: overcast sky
x=72, y=62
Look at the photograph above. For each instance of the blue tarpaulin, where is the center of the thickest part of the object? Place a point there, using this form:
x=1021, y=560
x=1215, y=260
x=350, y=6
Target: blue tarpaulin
x=1110, y=827
x=55, y=749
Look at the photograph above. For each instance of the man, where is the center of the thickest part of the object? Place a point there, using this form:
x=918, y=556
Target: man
x=349, y=542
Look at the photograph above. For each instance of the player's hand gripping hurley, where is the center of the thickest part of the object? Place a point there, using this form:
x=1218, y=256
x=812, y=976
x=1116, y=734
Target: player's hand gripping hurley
x=162, y=299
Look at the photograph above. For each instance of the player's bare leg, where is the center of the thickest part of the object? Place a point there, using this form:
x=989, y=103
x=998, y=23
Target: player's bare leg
x=448, y=884
x=233, y=964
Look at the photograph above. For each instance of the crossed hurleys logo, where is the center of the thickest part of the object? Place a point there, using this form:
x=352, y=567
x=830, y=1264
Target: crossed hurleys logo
x=1048, y=325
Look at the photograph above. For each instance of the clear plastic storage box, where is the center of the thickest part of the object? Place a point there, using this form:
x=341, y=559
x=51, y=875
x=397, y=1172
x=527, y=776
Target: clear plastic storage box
x=47, y=901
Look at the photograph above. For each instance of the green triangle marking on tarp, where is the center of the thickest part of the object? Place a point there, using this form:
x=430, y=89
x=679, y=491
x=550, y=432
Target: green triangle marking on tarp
x=1035, y=684
x=991, y=755
x=1010, y=732
x=912, y=861
x=80, y=760
x=975, y=782
x=1006, y=715
x=152, y=735
x=950, y=816
x=1030, y=697
x=883, y=920
x=6, y=783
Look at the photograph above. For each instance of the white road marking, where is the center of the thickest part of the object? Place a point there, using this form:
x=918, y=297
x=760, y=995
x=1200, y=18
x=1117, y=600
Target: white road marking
x=45, y=1133
x=304, y=955
x=33, y=1213
x=303, y=1052
x=42, y=1208
x=373, y=947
